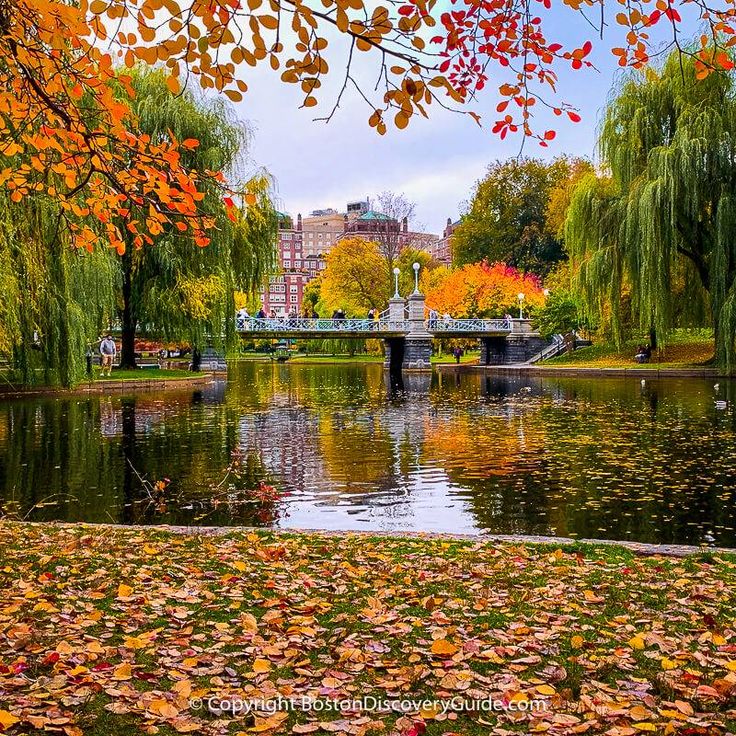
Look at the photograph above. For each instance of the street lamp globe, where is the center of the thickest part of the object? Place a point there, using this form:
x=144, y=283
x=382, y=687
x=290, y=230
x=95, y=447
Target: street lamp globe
x=397, y=271
x=545, y=292
x=416, y=268
x=520, y=295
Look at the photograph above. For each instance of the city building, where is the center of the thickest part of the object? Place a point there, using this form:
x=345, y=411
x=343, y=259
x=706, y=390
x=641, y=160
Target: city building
x=323, y=228
x=372, y=225
x=303, y=248
x=285, y=292
x=441, y=249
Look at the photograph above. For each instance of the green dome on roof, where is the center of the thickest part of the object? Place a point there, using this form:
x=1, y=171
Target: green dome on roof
x=373, y=215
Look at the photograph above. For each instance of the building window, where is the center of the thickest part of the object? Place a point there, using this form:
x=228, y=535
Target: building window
x=294, y=299
x=287, y=264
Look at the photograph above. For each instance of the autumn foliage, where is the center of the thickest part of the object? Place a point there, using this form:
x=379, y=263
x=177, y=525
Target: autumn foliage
x=124, y=631
x=481, y=290
x=67, y=133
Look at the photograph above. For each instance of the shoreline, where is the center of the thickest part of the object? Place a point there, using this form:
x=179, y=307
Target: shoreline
x=641, y=549
x=110, y=386
x=541, y=370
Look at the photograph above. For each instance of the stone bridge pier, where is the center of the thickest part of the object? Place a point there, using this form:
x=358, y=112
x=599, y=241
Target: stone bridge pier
x=519, y=346
x=413, y=351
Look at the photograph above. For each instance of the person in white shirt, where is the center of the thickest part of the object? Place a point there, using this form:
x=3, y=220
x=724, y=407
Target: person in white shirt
x=108, y=351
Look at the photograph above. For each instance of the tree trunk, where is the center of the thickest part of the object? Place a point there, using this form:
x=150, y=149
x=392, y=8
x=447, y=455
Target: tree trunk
x=652, y=338
x=129, y=326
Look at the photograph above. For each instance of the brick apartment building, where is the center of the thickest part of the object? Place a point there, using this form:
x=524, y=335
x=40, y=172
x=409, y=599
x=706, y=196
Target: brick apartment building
x=285, y=292
x=441, y=249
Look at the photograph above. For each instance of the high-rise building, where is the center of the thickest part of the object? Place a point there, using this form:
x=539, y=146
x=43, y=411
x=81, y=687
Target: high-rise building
x=321, y=230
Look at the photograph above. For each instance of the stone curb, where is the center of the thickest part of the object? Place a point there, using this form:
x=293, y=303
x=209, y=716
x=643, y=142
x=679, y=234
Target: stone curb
x=638, y=548
x=533, y=370
x=103, y=387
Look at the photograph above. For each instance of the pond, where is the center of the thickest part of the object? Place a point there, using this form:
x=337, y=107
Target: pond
x=339, y=447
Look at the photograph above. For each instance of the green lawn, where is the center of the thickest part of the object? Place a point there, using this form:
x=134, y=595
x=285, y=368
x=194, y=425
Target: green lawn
x=470, y=356
x=358, y=358
x=683, y=349
x=111, y=632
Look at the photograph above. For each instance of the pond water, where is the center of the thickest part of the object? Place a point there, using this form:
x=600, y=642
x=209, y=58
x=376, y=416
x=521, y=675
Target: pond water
x=454, y=451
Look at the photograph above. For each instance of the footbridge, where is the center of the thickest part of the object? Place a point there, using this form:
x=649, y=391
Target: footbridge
x=304, y=328
x=408, y=334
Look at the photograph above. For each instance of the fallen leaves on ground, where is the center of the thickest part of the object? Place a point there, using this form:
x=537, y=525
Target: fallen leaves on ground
x=106, y=631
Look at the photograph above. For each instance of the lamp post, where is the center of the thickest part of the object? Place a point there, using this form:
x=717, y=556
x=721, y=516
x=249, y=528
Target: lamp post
x=397, y=271
x=520, y=296
x=416, y=277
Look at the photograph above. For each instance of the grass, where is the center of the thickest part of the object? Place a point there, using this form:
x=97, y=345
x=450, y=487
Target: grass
x=469, y=356
x=358, y=358
x=684, y=349
x=141, y=374
x=116, y=630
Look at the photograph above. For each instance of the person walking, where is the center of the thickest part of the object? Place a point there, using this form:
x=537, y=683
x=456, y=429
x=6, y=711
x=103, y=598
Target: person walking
x=433, y=317
x=108, y=351
x=458, y=353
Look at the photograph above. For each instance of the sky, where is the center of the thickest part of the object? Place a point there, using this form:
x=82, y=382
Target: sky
x=434, y=162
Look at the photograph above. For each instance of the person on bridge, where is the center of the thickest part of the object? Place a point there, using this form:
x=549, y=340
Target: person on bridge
x=433, y=316
x=371, y=314
x=261, y=313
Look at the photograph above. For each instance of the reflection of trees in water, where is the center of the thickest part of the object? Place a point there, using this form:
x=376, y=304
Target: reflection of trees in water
x=88, y=453
x=587, y=457
x=52, y=451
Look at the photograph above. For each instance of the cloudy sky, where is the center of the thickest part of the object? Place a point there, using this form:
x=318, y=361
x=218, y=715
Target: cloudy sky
x=434, y=162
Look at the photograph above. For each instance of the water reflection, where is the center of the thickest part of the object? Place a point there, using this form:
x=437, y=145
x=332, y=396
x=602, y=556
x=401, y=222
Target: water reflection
x=354, y=447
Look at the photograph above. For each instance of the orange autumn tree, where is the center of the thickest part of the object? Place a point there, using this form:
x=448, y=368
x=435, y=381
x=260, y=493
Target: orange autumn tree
x=481, y=290
x=66, y=136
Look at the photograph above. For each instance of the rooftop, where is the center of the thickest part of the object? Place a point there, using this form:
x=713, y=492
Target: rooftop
x=373, y=215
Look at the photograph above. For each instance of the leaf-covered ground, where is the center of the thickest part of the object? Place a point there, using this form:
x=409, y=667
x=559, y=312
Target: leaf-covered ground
x=684, y=349
x=115, y=631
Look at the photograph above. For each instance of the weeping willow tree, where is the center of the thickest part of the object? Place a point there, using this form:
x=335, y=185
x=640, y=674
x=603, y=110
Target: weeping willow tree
x=660, y=227
x=173, y=288
x=55, y=298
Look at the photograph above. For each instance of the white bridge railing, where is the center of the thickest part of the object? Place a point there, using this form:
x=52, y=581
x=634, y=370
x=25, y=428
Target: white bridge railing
x=307, y=325
x=366, y=326
x=468, y=325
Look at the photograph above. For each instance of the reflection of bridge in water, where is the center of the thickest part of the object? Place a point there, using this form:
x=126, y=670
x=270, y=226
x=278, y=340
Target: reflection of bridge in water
x=407, y=334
